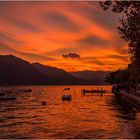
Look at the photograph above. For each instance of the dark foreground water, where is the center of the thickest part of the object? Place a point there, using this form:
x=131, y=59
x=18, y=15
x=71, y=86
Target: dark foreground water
x=84, y=117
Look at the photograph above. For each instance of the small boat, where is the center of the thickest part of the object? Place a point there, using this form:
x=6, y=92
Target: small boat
x=66, y=88
x=2, y=94
x=44, y=103
x=25, y=90
x=5, y=97
x=67, y=97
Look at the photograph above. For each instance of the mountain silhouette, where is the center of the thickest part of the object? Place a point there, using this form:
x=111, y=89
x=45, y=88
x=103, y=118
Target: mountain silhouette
x=94, y=77
x=53, y=72
x=60, y=75
x=16, y=71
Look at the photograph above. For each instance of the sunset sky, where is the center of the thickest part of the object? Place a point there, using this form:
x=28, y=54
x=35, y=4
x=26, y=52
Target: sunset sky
x=70, y=35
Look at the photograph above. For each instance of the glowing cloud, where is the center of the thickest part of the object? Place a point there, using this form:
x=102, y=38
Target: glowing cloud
x=51, y=33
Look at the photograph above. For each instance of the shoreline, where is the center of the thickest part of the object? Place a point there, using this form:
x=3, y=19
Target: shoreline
x=131, y=99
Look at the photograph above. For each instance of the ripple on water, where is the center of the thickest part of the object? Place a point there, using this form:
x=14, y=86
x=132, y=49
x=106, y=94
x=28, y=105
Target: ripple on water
x=83, y=117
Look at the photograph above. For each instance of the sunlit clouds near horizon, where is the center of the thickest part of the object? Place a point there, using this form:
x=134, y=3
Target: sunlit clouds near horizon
x=74, y=36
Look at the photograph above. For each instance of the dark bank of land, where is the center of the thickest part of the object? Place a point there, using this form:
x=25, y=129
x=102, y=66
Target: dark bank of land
x=16, y=71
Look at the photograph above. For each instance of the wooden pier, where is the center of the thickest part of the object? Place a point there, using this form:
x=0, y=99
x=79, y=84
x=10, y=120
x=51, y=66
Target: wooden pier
x=93, y=92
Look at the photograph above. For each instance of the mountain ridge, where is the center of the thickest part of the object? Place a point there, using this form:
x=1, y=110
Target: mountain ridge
x=58, y=74
x=97, y=77
x=16, y=71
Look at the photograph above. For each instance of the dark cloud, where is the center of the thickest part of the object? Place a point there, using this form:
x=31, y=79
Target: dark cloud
x=11, y=38
x=22, y=24
x=62, y=51
x=6, y=48
x=61, y=22
x=97, y=62
x=110, y=23
x=120, y=47
x=123, y=51
x=5, y=36
x=91, y=40
x=94, y=12
x=37, y=56
x=92, y=60
x=71, y=55
x=120, y=57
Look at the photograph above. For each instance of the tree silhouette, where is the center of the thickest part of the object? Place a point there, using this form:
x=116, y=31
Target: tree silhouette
x=117, y=77
x=129, y=29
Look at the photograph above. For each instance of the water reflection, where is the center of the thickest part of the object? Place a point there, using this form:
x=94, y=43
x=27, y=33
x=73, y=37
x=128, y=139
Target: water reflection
x=126, y=111
x=84, y=117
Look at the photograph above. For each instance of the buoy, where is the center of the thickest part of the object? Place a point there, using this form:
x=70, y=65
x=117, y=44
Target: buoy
x=67, y=97
x=43, y=103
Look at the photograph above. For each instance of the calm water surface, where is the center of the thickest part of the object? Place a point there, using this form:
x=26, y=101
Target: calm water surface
x=84, y=117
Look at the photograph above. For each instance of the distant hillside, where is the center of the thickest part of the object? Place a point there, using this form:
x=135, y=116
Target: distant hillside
x=15, y=71
x=95, y=77
x=60, y=75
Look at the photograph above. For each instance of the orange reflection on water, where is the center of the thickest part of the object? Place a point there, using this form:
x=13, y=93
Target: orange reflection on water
x=84, y=117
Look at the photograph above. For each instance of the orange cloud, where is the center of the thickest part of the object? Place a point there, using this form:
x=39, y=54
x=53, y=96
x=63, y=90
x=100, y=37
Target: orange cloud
x=47, y=30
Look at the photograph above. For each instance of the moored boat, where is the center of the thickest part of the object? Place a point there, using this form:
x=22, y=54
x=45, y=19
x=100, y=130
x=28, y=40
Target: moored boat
x=25, y=90
x=5, y=97
x=67, y=97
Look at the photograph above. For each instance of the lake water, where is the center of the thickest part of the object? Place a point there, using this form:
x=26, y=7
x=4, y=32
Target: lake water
x=84, y=117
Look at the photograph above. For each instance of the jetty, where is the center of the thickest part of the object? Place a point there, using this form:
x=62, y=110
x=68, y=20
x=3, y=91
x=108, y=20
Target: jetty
x=93, y=91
